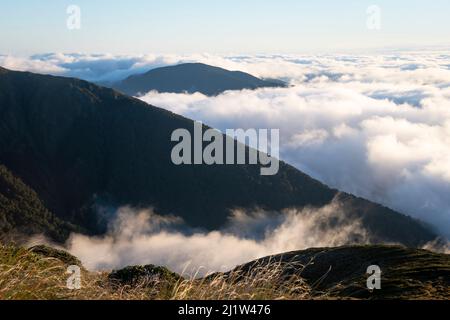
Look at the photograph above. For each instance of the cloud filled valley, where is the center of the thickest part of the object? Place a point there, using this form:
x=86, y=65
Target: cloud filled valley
x=138, y=236
x=374, y=126
x=377, y=126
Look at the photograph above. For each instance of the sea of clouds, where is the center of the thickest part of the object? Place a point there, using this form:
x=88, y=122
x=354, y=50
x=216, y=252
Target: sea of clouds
x=377, y=126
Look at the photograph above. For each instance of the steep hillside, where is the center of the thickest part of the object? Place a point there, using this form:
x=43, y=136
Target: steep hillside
x=22, y=212
x=80, y=146
x=192, y=77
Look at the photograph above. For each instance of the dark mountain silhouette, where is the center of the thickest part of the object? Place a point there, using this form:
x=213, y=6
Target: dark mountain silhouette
x=192, y=77
x=81, y=146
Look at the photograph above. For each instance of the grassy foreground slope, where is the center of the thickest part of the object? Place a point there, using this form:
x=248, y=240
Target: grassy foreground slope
x=327, y=273
x=407, y=273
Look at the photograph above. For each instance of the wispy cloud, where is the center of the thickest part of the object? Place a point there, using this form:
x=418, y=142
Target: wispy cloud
x=139, y=237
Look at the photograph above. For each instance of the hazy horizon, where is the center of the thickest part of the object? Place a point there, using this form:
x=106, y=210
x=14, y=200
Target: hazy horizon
x=225, y=27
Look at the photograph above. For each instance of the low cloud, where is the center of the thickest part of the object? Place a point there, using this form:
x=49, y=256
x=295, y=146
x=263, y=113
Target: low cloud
x=139, y=237
x=420, y=68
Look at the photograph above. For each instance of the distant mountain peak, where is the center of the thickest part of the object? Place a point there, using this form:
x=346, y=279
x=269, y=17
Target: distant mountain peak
x=190, y=78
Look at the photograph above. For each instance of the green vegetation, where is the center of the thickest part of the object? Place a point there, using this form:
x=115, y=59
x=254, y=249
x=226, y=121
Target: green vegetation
x=135, y=274
x=61, y=255
x=22, y=212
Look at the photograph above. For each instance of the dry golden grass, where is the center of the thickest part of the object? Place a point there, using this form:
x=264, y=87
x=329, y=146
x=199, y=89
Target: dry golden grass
x=27, y=275
x=266, y=281
x=42, y=274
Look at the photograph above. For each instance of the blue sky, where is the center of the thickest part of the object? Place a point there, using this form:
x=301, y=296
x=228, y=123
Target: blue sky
x=219, y=26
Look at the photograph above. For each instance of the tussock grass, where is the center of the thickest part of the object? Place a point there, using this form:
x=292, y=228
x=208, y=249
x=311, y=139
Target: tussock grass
x=25, y=274
x=333, y=273
x=264, y=281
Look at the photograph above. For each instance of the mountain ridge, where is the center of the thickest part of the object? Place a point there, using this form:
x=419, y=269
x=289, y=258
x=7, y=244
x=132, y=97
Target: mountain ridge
x=190, y=78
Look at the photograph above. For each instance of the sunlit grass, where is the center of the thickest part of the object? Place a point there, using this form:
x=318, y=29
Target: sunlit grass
x=41, y=273
x=27, y=275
